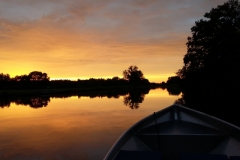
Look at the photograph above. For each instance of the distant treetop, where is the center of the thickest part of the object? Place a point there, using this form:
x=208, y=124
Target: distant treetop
x=133, y=75
x=38, y=76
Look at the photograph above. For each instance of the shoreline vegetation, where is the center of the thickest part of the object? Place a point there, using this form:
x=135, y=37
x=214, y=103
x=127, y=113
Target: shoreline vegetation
x=210, y=75
x=37, y=94
x=71, y=90
x=38, y=83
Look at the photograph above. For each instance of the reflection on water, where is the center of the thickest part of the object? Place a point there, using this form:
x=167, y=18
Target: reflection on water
x=76, y=127
x=173, y=91
x=132, y=98
x=4, y=102
x=34, y=102
x=218, y=102
x=37, y=102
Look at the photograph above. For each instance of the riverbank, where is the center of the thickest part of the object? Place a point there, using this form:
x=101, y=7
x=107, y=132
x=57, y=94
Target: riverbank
x=75, y=90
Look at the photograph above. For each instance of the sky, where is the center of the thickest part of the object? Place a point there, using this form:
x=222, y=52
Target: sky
x=82, y=39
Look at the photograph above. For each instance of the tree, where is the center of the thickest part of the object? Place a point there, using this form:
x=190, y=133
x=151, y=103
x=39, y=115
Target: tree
x=38, y=76
x=4, y=77
x=174, y=80
x=21, y=78
x=213, y=51
x=133, y=75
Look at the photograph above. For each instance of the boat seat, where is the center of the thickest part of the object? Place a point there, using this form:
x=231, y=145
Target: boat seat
x=234, y=158
x=203, y=157
x=139, y=155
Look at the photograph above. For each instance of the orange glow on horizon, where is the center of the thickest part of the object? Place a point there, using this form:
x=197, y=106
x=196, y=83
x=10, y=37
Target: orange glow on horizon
x=151, y=78
x=70, y=40
x=79, y=46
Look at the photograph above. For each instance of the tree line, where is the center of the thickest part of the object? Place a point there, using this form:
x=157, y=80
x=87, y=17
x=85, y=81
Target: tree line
x=32, y=76
x=41, y=80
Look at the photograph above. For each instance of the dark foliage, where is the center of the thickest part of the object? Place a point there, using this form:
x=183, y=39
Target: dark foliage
x=175, y=80
x=41, y=80
x=213, y=51
x=211, y=71
x=4, y=77
x=38, y=76
x=134, y=76
x=32, y=76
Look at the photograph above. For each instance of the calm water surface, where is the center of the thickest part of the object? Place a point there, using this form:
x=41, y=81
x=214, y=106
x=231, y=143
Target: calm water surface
x=71, y=128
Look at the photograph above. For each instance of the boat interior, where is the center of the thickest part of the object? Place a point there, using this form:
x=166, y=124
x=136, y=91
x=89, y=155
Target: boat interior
x=179, y=133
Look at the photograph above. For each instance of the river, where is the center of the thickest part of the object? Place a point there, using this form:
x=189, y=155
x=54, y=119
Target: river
x=72, y=128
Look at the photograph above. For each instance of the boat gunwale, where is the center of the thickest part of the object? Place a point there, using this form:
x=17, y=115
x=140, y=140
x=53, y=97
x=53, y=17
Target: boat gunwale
x=214, y=121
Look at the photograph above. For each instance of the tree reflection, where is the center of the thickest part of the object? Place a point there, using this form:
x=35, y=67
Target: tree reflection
x=35, y=102
x=173, y=91
x=219, y=102
x=134, y=97
x=4, y=102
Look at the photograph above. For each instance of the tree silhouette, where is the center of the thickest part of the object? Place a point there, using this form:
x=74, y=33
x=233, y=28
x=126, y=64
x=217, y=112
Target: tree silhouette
x=133, y=75
x=38, y=76
x=22, y=78
x=32, y=76
x=213, y=51
x=4, y=77
x=174, y=80
x=211, y=71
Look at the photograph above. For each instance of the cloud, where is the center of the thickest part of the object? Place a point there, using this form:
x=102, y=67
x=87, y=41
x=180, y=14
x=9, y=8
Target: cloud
x=103, y=33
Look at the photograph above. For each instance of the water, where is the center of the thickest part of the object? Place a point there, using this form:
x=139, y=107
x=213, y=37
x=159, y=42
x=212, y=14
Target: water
x=71, y=128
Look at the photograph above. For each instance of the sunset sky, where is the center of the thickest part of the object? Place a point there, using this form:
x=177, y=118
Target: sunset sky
x=71, y=39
